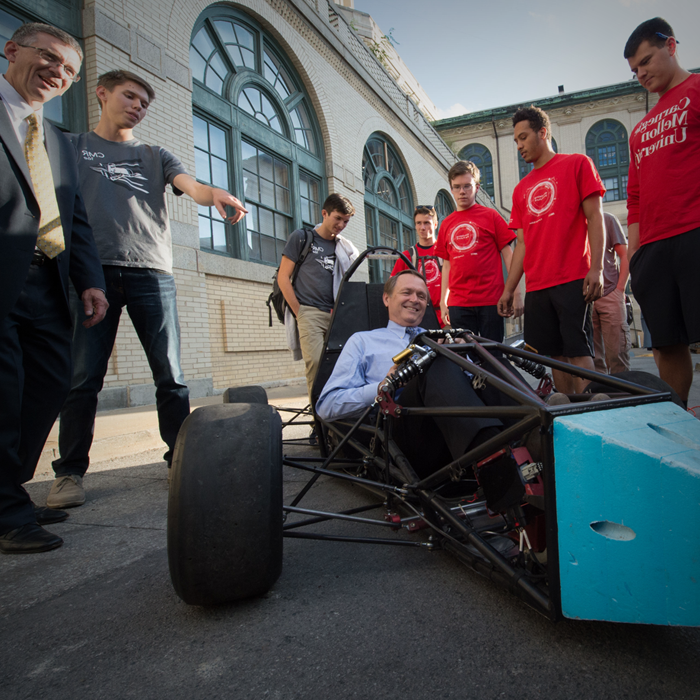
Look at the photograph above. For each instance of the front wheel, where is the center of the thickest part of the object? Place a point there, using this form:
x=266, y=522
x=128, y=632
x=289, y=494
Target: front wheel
x=651, y=381
x=225, y=504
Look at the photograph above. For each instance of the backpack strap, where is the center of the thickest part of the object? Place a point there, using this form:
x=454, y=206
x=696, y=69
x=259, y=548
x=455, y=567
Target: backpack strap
x=308, y=240
x=414, y=256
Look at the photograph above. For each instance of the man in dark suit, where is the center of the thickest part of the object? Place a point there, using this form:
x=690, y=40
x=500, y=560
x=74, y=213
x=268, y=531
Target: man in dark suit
x=45, y=241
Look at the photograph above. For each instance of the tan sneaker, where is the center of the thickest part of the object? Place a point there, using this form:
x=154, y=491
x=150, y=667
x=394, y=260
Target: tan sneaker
x=66, y=492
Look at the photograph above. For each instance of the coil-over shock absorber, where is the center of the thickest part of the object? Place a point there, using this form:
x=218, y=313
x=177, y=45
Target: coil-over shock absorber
x=412, y=361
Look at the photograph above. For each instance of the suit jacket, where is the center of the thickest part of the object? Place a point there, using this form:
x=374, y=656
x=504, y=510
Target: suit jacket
x=20, y=214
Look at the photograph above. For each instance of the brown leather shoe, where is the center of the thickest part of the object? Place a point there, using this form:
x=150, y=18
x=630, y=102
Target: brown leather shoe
x=28, y=539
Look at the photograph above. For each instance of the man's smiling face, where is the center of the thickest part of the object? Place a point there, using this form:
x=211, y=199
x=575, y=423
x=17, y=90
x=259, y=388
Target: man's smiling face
x=408, y=301
x=34, y=78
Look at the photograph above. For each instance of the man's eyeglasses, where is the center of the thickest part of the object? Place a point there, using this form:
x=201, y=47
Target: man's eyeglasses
x=664, y=37
x=426, y=206
x=56, y=61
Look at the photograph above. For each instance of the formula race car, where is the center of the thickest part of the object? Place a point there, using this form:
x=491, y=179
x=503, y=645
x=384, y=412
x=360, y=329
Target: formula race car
x=585, y=508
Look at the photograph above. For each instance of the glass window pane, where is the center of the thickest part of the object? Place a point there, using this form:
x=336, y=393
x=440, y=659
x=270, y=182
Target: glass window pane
x=267, y=193
x=204, y=232
x=226, y=33
x=213, y=81
x=200, y=133
x=235, y=54
x=305, y=211
x=250, y=157
x=201, y=166
x=197, y=64
x=281, y=173
x=217, y=141
x=268, y=250
x=281, y=227
x=244, y=102
x=219, y=173
x=248, y=58
x=245, y=37
x=218, y=65
x=314, y=190
x=283, y=199
x=219, y=236
x=254, y=246
x=251, y=218
x=203, y=43
x=304, y=185
x=267, y=225
x=265, y=165
x=276, y=124
x=250, y=186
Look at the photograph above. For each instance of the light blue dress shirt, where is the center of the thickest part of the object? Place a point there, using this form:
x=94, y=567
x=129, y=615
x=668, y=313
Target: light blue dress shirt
x=363, y=363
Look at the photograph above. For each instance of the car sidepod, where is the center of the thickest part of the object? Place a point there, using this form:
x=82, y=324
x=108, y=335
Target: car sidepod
x=628, y=514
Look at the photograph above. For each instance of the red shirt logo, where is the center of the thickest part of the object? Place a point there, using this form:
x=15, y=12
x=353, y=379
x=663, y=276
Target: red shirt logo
x=464, y=237
x=431, y=271
x=541, y=197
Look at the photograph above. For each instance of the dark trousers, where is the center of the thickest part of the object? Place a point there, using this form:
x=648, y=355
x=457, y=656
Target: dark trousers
x=150, y=300
x=483, y=321
x=35, y=371
x=429, y=443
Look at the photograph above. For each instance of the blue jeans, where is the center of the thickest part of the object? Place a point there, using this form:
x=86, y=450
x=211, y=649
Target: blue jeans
x=149, y=297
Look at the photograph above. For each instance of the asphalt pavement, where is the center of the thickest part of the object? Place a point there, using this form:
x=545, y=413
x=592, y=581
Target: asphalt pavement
x=98, y=618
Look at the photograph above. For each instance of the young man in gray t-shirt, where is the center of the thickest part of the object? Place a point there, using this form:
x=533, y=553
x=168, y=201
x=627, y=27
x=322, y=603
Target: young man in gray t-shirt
x=311, y=298
x=123, y=184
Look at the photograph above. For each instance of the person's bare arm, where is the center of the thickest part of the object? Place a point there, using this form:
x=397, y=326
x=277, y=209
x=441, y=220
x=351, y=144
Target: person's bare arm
x=593, y=282
x=444, y=309
x=207, y=196
x=515, y=272
x=284, y=280
x=621, y=251
x=507, y=255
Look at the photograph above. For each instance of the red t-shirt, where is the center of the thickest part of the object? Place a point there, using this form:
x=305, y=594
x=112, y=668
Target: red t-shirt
x=547, y=205
x=663, y=188
x=429, y=269
x=472, y=241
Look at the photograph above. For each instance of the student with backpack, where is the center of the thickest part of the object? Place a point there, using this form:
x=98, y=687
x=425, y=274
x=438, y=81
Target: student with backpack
x=309, y=277
x=423, y=255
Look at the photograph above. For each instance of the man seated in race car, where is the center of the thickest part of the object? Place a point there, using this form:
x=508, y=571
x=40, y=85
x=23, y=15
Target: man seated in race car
x=366, y=361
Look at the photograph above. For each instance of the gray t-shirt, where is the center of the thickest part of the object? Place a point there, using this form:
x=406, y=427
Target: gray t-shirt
x=613, y=237
x=314, y=281
x=123, y=185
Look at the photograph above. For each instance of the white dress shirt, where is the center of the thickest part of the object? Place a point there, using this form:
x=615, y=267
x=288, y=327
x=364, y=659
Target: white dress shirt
x=18, y=109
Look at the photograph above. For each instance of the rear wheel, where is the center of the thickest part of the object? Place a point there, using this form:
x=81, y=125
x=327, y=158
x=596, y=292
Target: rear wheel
x=646, y=379
x=245, y=394
x=225, y=504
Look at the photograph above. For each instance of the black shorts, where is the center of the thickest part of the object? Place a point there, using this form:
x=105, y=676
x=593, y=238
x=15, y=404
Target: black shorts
x=558, y=321
x=666, y=284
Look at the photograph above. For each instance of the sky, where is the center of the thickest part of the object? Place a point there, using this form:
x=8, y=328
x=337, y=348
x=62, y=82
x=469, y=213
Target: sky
x=470, y=56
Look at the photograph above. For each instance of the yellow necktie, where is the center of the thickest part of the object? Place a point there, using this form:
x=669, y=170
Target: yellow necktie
x=50, y=240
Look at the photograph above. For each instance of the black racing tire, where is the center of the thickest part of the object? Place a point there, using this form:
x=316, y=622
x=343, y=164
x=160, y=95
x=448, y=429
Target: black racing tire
x=245, y=394
x=225, y=504
x=651, y=381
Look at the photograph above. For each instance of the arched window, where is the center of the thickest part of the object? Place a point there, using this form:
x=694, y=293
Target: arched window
x=388, y=202
x=606, y=144
x=255, y=134
x=443, y=205
x=524, y=168
x=481, y=157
